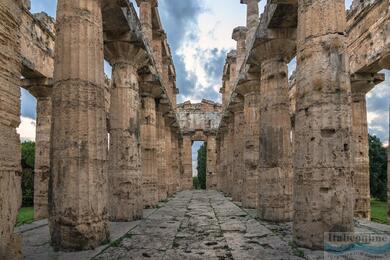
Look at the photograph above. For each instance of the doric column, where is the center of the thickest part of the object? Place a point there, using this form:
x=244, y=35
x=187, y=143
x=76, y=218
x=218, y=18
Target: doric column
x=239, y=35
x=78, y=184
x=161, y=155
x=41, y=89
x=124, y=170
x=323, y=198
x=211, y=172
x=275, y=165
x=361, y=84
x=175, y=160
x=250, y=90
x=158, y=36
x=187, y=162
x=10, y=168
x=168, y=146
x=388, y=172
x=145, y=7
x=238, y=149
x=149, y=151
x=252, y=15
x=230, y=156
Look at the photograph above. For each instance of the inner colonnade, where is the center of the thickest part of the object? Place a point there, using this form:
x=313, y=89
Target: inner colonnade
x=293, y=148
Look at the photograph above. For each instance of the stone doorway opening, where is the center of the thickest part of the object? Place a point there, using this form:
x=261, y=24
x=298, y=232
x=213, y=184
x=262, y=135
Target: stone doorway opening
x=199, y=164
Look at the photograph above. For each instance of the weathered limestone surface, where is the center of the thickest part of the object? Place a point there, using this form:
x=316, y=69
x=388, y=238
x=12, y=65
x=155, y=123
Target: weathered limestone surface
x=42, y=150
x=148, y=144
x=275, y=165
x=361, y=84
x=238, y=147
x=161, y=157
x=168, y=156
x=78, y=185
x=322, y=160
x=10, y=192
x=124, y=165
x=251, y=148
x=211, y=171
x=187, y=162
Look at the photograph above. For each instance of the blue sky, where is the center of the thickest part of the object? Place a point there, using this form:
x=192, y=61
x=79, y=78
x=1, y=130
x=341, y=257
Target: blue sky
x=199, y=33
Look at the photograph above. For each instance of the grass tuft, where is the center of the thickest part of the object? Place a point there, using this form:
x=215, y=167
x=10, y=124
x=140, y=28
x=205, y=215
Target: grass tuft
x=25, y=216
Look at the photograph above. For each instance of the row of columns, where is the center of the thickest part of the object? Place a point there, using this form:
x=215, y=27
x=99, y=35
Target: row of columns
x=94, y=177
x=320, y=177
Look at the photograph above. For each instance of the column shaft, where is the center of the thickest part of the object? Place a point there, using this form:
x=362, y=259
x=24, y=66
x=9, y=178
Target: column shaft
x=175, y=159
x=10, y=168
x=168, y=156
x=146, y=18
x=187, y=162
x=251, y=150
x=323, y=198
x=161, y=158
x=361, y=164
x=238, y=156
x=148, y=152
x=211, y=172
x=275, y=166
x=42, y=158
x=78, y=184
x=231, y=178
x=125, y=197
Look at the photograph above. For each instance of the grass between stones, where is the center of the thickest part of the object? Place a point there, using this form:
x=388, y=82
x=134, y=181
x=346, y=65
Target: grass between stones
x=25, y=216
x=379, y=211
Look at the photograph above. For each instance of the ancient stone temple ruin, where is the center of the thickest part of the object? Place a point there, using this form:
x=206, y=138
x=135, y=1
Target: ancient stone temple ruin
x=290, y=149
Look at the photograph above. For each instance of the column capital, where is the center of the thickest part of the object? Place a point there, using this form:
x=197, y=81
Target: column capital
x=125, y=51
x=239, y=33
x=248, y=83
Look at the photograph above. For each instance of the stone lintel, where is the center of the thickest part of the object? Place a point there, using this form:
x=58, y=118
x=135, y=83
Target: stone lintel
x=364, y=82
x=39, y=88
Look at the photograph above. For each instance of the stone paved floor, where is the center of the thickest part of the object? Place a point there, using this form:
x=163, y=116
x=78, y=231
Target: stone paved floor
x=191, y=225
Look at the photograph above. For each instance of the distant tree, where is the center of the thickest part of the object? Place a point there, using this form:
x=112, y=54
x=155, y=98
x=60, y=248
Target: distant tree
x=28, y=163
x=195, y=183
x=202, y=165
x=28, y=155
x=378, y=168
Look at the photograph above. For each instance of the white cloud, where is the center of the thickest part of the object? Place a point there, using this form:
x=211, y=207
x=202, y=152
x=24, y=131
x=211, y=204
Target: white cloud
x=26, y=129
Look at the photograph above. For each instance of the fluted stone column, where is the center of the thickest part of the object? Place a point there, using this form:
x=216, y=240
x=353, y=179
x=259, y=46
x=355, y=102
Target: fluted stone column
x=78, y=184
x=251, y=134
x=175, y=160
x=148, y=151
x=124, y=172
x=361, y=84
x=275, y=165
x=239, y=35
x=161, y=156
x=323, y=198
x=361, y=165
x=145, y=7
x=42, y=153
x=168, y=145
x=10, y=168
x=219, y=162
x=211, y=171
x=187, y=162
x=230, y=157
x=252, y=16
x=237, y=150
